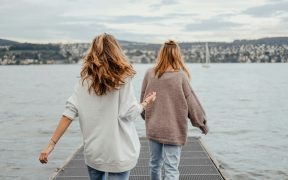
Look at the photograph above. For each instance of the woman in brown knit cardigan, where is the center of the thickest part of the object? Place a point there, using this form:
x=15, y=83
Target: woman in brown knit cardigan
x=166, y=121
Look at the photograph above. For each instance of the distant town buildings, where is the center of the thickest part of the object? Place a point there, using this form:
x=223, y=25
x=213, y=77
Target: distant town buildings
x=25, y=54
x=260, y=53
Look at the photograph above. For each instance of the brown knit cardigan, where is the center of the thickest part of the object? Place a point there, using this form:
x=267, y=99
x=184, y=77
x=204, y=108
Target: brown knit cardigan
x=167, y=118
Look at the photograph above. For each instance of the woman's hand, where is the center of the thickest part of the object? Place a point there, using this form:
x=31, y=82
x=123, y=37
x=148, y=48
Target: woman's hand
x=148, y=99
x=43, y=158
x=61, y=128
x=204, y=129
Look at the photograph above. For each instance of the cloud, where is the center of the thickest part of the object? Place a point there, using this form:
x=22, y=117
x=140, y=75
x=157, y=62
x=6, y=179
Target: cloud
x=213, y=24
x=181, y=14
x=284, y=20
x=270, y=9
x=162, y=3
x=169, y=2
x=277, y=0
x=136, y=19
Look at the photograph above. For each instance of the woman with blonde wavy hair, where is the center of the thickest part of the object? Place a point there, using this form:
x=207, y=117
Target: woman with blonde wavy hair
x=166, y=121
x=104, y=101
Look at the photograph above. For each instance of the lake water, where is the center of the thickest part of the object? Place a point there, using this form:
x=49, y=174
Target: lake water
x=246, y=104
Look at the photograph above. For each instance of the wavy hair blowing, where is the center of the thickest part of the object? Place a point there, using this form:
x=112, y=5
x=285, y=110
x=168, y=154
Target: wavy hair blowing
x=105, y=65
x=170, y=56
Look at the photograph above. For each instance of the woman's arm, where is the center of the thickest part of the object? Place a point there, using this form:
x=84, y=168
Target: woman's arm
x=70, y=113
x=61, y=128
x=129, y=107
x=143, y=88
x=196, y=113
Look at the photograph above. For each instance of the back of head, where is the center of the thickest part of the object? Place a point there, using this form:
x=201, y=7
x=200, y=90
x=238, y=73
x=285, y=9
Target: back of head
x=105, y=65
x=170, y=56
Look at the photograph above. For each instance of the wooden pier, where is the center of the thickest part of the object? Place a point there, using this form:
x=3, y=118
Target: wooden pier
x=196, y=164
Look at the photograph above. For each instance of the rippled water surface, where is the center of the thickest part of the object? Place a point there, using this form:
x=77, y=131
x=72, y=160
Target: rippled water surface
x=246, y=104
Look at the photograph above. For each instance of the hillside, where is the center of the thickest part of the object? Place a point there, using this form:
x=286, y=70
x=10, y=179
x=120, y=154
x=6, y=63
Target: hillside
x=4, y=42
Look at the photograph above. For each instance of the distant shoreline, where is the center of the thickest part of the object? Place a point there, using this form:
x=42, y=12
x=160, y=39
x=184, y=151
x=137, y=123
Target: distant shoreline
x=143, y=63
x=265, y=50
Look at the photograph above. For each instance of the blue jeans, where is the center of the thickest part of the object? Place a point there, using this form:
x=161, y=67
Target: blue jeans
x=170, y=155
x=100, y=175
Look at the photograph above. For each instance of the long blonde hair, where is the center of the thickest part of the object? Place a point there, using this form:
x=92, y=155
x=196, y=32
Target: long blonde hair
x=105, y=65
x=170, y=55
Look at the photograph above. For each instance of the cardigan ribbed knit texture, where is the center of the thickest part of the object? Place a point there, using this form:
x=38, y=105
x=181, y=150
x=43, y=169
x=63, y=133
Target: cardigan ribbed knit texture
x=167, y=118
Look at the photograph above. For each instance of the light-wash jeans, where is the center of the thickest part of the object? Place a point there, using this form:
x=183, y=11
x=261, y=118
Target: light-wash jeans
x=100, y=175
x=170, y=155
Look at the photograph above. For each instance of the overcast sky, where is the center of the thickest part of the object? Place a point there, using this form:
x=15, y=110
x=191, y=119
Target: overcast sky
x=142, y=20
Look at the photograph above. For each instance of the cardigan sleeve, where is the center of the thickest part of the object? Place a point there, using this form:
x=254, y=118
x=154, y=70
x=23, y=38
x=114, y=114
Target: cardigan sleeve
x=129, y=107
x=196, y=113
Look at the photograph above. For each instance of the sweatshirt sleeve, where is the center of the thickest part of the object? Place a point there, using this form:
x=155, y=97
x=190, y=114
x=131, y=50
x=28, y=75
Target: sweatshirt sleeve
x=196, y=113
x=71, y=107
x=129, y=107
x=142, y=95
